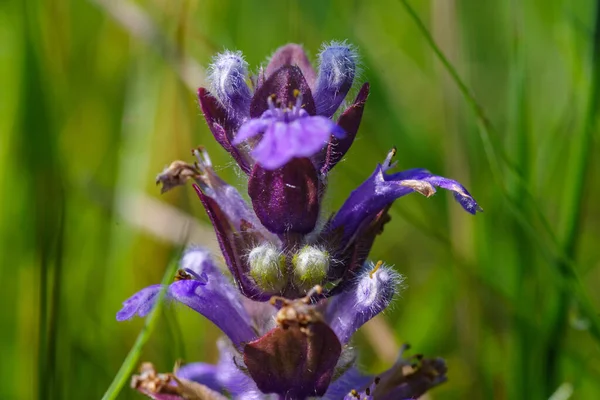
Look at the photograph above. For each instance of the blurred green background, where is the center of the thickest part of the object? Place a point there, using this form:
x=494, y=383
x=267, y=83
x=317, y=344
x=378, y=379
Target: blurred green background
x=97, y=97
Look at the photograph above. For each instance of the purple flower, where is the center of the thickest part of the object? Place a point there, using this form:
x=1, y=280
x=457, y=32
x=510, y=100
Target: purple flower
x=293, y=348
x=287, y=133
x=301, y=285
x=280, y=119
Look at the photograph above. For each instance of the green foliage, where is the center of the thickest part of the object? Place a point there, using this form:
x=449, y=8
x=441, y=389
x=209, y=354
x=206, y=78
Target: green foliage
x=97, y=97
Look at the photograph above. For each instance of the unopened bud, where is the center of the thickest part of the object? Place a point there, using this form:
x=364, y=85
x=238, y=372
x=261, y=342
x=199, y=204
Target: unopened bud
x=227, y=77
x=311, y=265
x=267, y=268
x=337, y=67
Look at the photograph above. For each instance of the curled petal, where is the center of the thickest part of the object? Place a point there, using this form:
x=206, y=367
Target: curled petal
x=373, y=290
x=380, y=190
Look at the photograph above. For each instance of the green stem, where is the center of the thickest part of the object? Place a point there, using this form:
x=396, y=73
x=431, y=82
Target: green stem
x=133, y=358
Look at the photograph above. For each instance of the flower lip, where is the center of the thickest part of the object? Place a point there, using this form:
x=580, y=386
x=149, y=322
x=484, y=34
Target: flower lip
x=287, y=132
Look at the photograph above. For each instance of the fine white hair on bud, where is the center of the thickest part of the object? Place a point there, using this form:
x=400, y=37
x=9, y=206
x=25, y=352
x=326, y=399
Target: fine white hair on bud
x=337, y=69
x=377, y=286
x=227, y=78
x=268, y=267
x=311, y=265
x=374, y=288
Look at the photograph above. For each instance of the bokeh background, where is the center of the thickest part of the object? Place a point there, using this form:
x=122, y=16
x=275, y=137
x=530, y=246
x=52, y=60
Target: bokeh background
x=98, y=96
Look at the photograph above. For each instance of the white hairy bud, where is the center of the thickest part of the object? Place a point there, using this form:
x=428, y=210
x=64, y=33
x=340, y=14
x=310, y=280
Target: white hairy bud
x=311, y=265
x=267, y=267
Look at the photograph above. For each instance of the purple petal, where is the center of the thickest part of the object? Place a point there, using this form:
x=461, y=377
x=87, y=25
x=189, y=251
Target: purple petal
x=316, y=132
x=217, y=302
x=140, y=303
x=227, y=76
x=232, y=378
x=226, y=236
x=283, y=83
x=349, y=121
x=250, y=129
x=286, y=199
x=267, y=152
x=221, y=125
x=352, y=379
x=294, y=362
x=283, y=141
x=380, y=190
x=372, y=292
x=292, y=54
x=337, y=66
x=462, y=196
x=206, y=374
x=231, y=202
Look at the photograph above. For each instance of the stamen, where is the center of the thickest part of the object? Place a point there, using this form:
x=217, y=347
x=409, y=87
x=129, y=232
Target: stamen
x=317, y=289
x=182, y=275
x=203, y=158
x=274, y=299
x=377, y=266
x=271, y=102
x=387, y=163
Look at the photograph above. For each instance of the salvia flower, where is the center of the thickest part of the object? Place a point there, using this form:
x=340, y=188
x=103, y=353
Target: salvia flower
x=300, y=284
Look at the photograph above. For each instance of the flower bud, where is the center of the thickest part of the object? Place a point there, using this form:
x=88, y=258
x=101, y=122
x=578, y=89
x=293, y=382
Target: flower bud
x=374, y=289
x=267, y=268
x=310, y=267
x=337, y=67
x=227, y=78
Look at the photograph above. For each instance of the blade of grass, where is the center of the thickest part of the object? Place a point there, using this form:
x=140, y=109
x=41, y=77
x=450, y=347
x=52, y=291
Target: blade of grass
x=487, y=130
x=133, y=357
x=577, y=172
x=523, y=384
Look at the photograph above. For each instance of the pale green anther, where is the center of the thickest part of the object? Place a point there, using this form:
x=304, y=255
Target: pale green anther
x=267, y=268
x=311, y=265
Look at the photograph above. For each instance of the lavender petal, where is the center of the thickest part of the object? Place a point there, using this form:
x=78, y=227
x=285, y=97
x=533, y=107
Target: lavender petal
x=140, y=303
